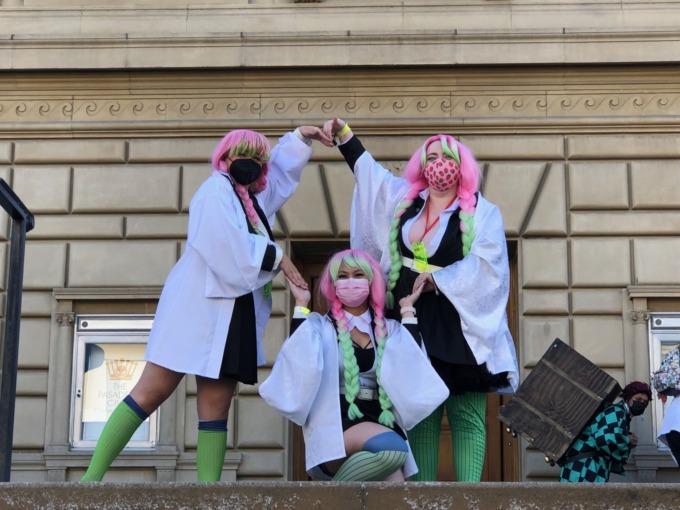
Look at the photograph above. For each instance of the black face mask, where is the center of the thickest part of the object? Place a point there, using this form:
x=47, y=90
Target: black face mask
x=637, y=407
x=245, y=171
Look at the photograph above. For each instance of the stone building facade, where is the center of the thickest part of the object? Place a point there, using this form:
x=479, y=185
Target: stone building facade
x=109, y=111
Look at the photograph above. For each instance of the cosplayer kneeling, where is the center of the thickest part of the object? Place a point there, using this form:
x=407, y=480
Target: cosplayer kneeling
x=354, y=380
x=216, y=301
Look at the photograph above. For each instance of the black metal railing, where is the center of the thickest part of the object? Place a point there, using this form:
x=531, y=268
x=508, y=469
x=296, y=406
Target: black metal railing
x=22, y=222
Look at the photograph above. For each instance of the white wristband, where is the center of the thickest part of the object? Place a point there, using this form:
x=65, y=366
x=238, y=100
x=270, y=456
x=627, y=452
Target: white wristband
x=301, y=310
x=406, y=309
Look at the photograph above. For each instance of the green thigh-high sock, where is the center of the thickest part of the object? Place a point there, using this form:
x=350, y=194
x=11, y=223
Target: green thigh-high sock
x=367, y=466
x=212, y=444
x=424, y=442
x=467, y=417
x=123, y=422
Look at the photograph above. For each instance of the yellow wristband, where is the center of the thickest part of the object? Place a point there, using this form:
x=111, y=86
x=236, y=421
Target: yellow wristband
x=343, y=131
x=302, y=309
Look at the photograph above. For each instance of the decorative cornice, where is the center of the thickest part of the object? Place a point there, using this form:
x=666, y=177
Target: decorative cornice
x=574, y=109
x=654, y=291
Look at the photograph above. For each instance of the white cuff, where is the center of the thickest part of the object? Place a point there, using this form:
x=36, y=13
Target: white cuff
x=279, y=256
x=409, y=320
x=299, y=134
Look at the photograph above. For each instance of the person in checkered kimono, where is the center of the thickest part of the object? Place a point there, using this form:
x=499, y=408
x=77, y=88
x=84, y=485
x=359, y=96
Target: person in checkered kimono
x=604, y=445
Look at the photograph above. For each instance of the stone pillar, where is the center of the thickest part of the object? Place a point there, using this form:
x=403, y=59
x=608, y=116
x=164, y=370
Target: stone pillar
x=59, y=391
x=639, y=371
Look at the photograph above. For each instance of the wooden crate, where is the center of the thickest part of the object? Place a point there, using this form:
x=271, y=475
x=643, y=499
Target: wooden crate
x=558, y=399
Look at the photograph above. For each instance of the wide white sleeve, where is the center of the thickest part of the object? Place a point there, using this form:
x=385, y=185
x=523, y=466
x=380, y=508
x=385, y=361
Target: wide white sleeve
x=219, y=233
x=376, y=195
x=286, y=162
x=294, y=382
x=412, y=384
x=478, y=287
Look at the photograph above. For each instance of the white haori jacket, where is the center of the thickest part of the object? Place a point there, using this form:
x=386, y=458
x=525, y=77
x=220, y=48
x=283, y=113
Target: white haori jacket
x=478, y=285
x=304, y=387
x=221, y=262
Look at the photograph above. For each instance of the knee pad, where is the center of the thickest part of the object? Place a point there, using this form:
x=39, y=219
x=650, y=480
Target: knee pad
x=387, y=441
x=382, y=455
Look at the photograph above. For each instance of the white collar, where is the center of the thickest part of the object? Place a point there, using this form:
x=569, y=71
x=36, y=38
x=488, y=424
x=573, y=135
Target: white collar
x=361, y=322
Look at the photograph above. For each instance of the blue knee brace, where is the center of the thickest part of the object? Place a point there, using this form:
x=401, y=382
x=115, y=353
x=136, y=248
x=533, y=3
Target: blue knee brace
x=387, y=441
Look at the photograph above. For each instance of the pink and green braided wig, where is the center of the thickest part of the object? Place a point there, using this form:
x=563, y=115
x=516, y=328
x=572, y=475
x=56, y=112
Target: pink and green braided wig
x=376, y=300
x=243, y=142
x=469, y=185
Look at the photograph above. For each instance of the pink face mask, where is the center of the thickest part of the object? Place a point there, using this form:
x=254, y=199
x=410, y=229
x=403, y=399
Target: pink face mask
x=442, y=174
x=352, y=291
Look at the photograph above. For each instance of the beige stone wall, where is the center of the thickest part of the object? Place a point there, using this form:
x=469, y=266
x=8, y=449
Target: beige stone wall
x=106, y=150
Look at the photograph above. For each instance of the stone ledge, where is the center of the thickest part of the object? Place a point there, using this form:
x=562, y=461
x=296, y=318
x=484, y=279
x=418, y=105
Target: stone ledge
x=353, y=49
x=339, y=496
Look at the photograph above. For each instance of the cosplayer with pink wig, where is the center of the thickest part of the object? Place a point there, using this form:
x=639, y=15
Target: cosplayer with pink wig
x=216, y=300
x=358, y=432
x=432, y=227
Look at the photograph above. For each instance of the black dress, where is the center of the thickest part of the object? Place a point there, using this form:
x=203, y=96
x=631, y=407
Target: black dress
x=439, y=321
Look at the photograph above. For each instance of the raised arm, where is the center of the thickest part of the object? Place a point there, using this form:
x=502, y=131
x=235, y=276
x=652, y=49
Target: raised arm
x=376, y=194
x=286, y=162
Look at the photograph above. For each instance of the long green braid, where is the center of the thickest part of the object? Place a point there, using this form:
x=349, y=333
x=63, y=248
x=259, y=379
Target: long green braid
x=395, y=255
x=467, y=227
x=386, y=416
x=352, y=384
x=357, y=259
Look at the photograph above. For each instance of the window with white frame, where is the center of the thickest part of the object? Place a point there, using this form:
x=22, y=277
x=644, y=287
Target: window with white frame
x=108, y=360
x=664, y=333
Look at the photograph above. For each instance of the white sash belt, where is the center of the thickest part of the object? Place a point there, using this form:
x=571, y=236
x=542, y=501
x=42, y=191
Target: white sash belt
x=411, y=264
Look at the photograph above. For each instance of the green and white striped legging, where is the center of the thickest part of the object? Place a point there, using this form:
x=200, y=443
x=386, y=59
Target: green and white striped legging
x=467, y=418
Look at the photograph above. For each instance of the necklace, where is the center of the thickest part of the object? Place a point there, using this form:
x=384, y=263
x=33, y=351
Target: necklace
x=427, y=217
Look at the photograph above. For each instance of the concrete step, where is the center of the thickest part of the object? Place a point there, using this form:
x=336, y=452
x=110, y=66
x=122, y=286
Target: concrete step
x=338, y=496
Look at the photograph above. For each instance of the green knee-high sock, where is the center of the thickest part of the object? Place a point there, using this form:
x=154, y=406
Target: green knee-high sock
x=122, y=423
x=210, y=454
x=424, y=442
x=367, y=466
x=467, y=415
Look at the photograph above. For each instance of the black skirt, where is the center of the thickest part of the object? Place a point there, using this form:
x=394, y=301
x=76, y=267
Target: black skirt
x=239, y=360
x=371, y=410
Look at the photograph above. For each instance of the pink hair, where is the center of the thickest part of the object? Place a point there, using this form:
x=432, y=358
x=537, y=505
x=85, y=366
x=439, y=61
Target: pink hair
x=413, y=173
x=470, y=174
x=243, y=142
x=354, y=258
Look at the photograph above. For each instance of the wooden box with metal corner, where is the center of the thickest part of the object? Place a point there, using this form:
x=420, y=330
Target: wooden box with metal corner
x=557, y=400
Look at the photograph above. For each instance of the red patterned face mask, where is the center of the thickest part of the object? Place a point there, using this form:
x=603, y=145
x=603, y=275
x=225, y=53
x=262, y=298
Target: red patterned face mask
x=442, y=174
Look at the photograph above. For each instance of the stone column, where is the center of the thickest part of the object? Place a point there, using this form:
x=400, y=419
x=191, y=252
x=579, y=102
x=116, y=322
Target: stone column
x=639, y=371
x=59, y=391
